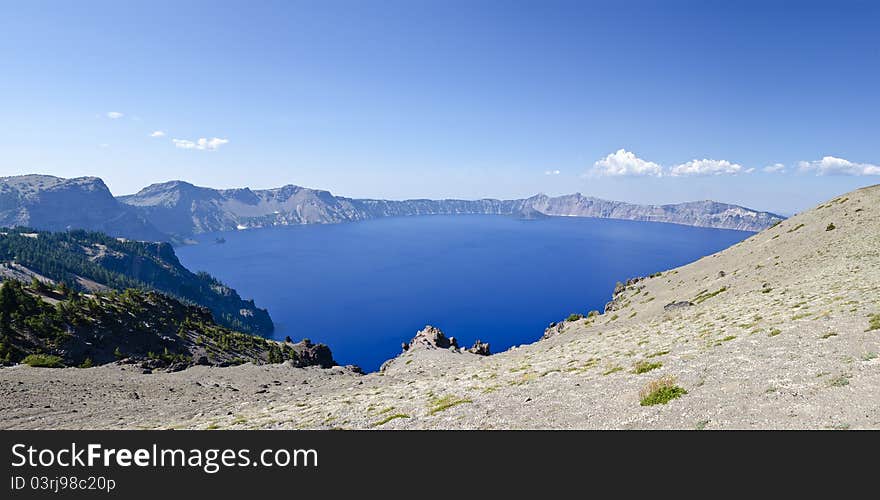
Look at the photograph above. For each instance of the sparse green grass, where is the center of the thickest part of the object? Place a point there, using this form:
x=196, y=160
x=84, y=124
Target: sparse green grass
x=701, y=425
x=706, y=295
x=443, y=403
x=728, y=338
x=868, y=356
x=656, y=354
x=43, y=361
x=829, y=335
x=645, y=366
x=796, y=228
x=839, y=381
x=660, y=391
x=774, y=332
x=613, y=370
x=873, y=322
x=389, y=418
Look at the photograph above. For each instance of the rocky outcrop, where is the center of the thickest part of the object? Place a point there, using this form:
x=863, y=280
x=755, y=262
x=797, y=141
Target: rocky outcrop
x=309, y=354
x=480, y=348
x=679, y=304
x=430, y=338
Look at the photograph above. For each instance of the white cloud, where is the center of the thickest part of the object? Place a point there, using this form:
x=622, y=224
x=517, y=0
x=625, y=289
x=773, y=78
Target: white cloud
x=158, y=133
x=624, y=163
x=103, y=145
x=708, y=167
x=114, y=115
x=552, y=172
x=775, y=168
x=202, y=144
x=831, y=165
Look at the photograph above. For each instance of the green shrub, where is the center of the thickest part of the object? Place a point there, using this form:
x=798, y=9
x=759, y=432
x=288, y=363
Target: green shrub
x=87, y=363
x=43, y=361
x=660, y=391
x=574, y=317
x=873, y=322
x=645, y=366
x=831, y=227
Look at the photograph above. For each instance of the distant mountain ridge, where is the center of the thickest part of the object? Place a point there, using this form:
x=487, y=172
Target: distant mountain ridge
x=182, y=209
x=177, y=210
x=56, y=204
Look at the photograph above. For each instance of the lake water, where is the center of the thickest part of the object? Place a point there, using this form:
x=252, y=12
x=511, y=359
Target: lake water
x=365, y=287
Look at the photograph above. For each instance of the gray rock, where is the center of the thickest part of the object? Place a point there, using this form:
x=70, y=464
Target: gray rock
x=681, y=304
x=481, y=348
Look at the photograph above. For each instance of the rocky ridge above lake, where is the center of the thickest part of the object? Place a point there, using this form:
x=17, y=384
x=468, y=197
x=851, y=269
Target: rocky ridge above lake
x=177, y=210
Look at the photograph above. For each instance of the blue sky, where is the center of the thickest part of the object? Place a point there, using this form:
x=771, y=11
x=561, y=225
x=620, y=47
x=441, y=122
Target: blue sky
x=402, y=99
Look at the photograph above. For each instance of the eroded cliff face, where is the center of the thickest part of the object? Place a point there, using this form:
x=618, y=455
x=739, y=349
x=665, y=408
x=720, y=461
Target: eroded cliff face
x=182, y=209
x=176, y=210
x=56, y=204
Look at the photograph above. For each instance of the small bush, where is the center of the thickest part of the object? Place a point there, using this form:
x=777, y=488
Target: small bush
x=873, y=322
x=87, y=363
x=645, y=366
x=574, y=317
x=831, y=227
x=43, y=361
x=660, y=391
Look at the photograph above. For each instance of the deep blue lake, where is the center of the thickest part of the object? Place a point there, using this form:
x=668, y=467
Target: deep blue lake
x=365, y=287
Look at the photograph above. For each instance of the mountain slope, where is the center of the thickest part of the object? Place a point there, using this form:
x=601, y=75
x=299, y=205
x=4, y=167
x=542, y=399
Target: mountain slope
x=779, y=331
x=57, y=204
x=45, y=326
x=181, y=209
x=96, y=262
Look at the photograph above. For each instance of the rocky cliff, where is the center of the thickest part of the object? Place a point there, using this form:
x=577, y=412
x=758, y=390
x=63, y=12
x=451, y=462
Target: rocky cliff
x=57, y=204
x=176, y=210
x=181, y=209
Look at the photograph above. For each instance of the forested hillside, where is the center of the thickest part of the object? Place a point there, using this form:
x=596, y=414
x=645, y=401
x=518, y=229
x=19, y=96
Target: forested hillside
x=90, y=261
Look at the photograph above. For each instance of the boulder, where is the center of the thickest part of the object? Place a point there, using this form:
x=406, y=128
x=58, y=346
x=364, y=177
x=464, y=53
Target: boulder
x=430, y=338
x=681, y=304
x=480, y=348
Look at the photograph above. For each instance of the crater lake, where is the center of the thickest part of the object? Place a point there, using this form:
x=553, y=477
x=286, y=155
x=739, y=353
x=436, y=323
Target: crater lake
x=363, y=288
